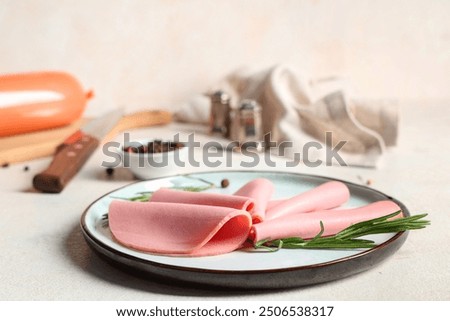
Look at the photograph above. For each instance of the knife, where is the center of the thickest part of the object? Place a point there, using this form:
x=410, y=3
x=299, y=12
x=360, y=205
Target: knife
x=71, y=155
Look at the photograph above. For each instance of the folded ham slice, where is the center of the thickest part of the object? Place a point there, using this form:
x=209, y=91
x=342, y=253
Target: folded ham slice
x=325, y=196
x=307, y=225
x=178, y=229
x=260, y=190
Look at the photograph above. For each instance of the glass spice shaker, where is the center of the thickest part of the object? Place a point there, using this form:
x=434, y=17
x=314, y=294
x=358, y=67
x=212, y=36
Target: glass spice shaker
x=249, y=124
x=220, y=115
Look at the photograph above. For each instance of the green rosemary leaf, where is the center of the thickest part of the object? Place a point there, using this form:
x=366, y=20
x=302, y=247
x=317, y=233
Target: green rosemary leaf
x=383, y=225
x=260, y=243
x=338, y=245
x=268, y=245
x=322, y=229
x=192, y=188
x=144, y=196
x=210, y=184
x=289, y=240
x=327, y=243
x=139, y=198
x=352, y=229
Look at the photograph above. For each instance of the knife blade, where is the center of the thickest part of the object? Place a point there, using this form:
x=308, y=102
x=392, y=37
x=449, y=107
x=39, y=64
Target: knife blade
x=71, y=155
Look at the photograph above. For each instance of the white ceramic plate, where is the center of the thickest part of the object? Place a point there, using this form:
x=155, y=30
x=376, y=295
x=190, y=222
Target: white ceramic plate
x=241, y=269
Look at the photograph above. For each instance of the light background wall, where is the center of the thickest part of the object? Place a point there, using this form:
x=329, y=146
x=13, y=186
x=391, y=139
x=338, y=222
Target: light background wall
x=155, y=53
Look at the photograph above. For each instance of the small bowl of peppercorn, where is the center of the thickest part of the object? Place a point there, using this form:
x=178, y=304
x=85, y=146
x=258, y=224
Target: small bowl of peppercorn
x=156, y=158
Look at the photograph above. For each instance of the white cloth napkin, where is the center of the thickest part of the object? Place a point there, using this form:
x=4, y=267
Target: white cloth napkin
x=302, y=111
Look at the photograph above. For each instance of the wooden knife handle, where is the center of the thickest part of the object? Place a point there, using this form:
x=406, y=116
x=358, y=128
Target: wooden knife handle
x=69, y=158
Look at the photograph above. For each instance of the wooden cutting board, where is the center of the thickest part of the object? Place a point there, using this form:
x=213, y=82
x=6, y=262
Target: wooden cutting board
x=34, y=145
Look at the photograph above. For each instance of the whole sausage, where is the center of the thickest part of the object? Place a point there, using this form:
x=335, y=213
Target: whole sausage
x=27, y=117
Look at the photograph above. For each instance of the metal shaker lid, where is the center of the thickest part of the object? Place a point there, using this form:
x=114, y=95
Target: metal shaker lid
x=249, y=104
x=220, y=97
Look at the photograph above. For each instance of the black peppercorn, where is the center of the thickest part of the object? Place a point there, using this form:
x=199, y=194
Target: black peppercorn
x=225, y=183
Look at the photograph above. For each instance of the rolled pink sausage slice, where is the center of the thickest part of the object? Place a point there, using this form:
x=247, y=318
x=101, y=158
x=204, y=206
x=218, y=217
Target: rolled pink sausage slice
x=260, y=190
x=213, y=199
x=325, y=196
x=178, y=229
x=307, y=225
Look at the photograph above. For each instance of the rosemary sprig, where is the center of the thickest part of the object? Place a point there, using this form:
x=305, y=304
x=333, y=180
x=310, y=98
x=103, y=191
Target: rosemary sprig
x=141, y=197
x=192, y=188
x=145, y=196
x=348, y=238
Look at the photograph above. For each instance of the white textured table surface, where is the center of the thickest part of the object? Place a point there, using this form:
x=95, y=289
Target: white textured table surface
x=44, y=256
